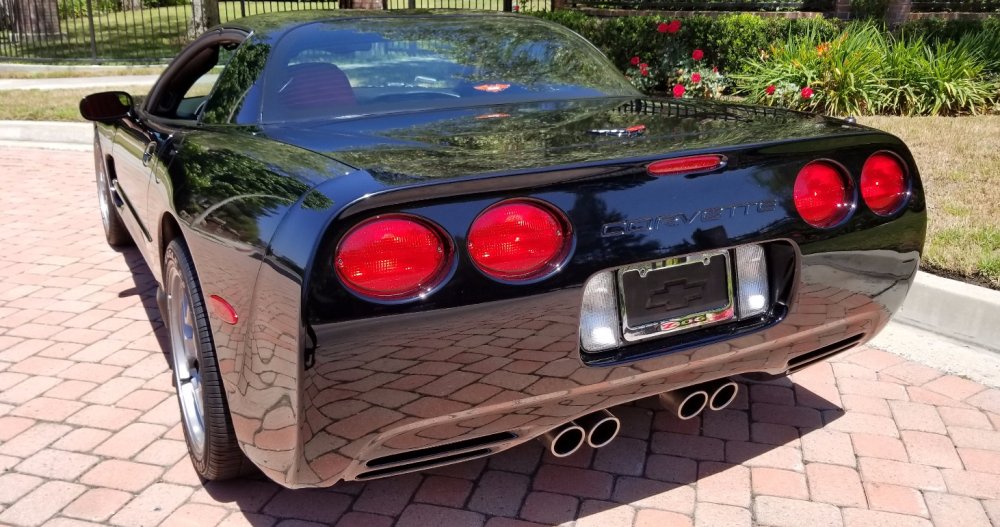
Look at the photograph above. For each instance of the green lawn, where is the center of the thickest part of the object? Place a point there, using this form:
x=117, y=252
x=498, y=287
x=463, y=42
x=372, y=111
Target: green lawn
x=959, y=162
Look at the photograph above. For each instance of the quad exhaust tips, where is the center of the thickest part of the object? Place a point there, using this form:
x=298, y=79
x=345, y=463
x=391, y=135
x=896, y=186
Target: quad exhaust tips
x=597, y=429
x=688, y=402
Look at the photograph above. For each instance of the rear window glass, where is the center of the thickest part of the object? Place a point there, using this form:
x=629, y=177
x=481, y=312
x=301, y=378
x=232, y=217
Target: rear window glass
x=342, y=68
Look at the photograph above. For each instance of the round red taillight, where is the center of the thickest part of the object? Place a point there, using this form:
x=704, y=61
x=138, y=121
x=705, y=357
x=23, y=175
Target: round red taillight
x=884, y=184
x=822, y=194
x=392, y=257
x=518, y=240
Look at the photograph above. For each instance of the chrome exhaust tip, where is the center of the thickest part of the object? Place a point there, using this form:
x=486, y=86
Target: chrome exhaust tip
x=602, y=428
x=685, y=403
x=723, y=395
x=564, y=440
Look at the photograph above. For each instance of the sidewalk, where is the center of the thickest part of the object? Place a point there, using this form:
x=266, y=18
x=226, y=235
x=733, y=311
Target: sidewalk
x=89, y=427
x=69, y=83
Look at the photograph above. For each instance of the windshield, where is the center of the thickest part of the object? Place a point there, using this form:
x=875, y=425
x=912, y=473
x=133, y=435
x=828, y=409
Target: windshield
x=340, y=68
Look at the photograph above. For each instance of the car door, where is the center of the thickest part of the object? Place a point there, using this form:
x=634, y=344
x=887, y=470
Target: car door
x=142, y=146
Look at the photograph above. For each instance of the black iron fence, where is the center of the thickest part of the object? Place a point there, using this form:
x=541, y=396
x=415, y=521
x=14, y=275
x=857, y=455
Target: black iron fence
x=710, y=5
x=153, y=30
x=114, y=30
x=953, y=6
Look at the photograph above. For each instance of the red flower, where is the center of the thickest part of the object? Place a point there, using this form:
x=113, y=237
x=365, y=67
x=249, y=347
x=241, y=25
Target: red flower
x=715, y=69
x=635, y=60
x=807, y=92
x=696, y=78
x=674, y=26
x=662, y=28
x=644, y=72
x=678, y=91
x=698, y=54
x=517, y=8
x=770, y=90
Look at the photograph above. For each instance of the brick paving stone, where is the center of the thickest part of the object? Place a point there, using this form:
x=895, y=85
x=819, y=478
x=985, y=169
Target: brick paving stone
x=956, y=511
x=916, y=416
x=499, y=493
x=655, y=518
x=574, y=481
x=13, y=486
x=595, y=513
x=715, y=515
x=195, y=515
x=444, y=491
x=828, y=446
x=894, y=498
x=122, y=475
x=869, y=518
x=152, y=506
x=835, y=484
x=309, y=505
x=777, y=482
x=550, y=509
x=784, y=512
x=758, y=455
x=421, y=515
x=954, y=387
x=56, y=464
x=724, y=484
x=965, y=418
x=878, y=446
x=931, y=449
x=899, y=473
x=980, y=460
x=97, y=505
x=655, y=494
x=41, y=503
x=671, y=468
x=974, y=484
x=624, y=456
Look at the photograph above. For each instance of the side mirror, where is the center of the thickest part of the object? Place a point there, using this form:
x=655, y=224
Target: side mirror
x=106, y=106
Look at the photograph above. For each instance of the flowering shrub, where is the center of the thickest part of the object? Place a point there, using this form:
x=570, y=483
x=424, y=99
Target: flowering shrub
x=684, y=73
x=864, y=71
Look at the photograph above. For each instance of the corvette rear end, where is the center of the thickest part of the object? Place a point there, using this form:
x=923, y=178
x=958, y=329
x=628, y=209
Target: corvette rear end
x=390, y=242
x=451, y=317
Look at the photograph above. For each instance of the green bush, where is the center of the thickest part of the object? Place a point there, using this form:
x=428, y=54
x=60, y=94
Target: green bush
x=78, y=8
x=869, y=9
x=727, y=40
x=865, y=71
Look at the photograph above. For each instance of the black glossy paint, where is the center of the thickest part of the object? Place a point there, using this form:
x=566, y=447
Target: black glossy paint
x=320, y=381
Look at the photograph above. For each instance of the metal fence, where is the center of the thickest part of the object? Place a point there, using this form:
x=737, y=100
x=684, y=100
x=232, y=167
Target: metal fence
x=955, y=6
x=113, y=30
x=711, y=5
x=153, y=30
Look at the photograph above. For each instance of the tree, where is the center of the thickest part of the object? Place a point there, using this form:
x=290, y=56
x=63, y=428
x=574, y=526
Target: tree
x=204, y=15
x=35, y=17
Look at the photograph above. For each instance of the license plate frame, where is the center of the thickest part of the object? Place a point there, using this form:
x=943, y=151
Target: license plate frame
x=714, y=308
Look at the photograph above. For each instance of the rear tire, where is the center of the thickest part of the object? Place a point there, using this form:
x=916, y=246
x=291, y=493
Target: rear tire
x=208, y=427
x=115, y=231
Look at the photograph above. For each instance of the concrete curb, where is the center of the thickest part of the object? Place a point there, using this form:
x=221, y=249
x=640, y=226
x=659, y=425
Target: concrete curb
x=964, y=312
x=47, y=132
x=957, y=310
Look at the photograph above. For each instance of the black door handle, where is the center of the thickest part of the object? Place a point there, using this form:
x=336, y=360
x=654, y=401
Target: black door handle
x=147, y=156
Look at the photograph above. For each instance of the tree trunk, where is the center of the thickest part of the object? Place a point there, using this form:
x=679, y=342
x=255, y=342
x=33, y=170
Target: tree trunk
x=35, y=17
x=204, y=15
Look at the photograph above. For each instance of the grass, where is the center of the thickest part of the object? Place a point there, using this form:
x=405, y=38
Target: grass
x=81, y=72
x=958, y=157
x=959, y=161
x=49, y=105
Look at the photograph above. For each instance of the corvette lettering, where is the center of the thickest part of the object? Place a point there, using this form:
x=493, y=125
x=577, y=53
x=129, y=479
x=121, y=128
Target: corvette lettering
x=709, y=215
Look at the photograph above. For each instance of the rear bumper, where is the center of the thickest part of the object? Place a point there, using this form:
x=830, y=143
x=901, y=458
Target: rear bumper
x=399, y=393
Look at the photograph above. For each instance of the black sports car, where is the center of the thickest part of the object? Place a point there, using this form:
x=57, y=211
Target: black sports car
x=393, y=241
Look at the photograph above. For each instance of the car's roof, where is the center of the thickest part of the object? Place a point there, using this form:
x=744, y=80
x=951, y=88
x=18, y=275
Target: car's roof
x=273, y=24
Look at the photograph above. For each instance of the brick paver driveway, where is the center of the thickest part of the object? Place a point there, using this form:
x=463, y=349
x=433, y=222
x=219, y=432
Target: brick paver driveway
x=89, y=427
